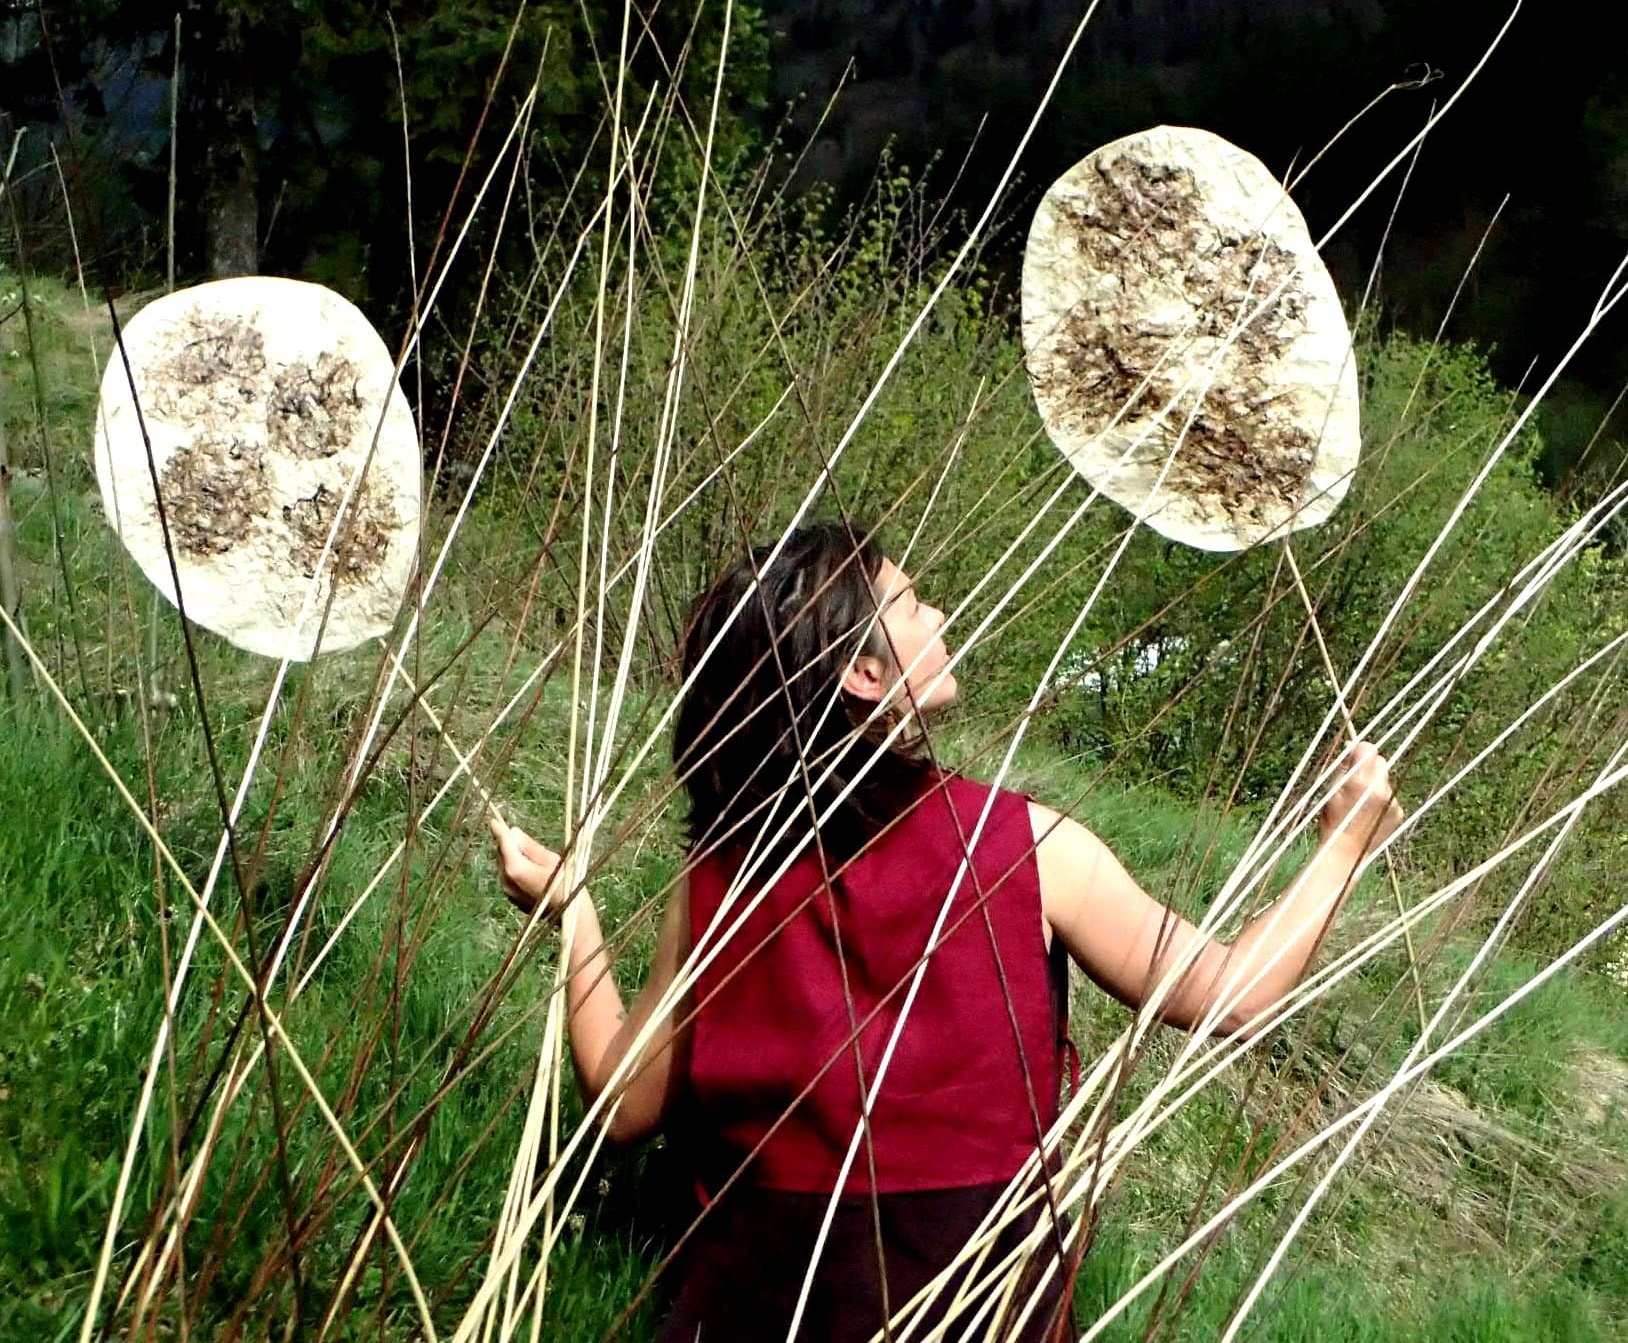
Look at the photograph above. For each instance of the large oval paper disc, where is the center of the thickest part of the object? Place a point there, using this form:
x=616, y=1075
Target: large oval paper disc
x=261, y=398
x=1143, y=260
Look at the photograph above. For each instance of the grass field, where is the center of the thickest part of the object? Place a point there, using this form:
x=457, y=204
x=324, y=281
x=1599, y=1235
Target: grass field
x=1490, y=1204
x=1492, y=1208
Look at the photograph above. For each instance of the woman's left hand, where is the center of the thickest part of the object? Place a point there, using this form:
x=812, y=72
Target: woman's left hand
x=529, y=870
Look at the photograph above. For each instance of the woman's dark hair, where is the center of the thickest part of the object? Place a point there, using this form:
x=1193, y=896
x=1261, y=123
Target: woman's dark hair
x=764, y=698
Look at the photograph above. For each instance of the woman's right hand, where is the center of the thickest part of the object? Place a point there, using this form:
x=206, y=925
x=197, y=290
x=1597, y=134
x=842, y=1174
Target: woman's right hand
x=1369, y=819
x=530, y=871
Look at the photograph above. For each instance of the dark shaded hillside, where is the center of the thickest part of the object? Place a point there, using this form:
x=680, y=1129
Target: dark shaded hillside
x=1546, y=123
x=305, y=175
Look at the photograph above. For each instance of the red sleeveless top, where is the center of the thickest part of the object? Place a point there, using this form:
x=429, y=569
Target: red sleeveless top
x=975, y=1077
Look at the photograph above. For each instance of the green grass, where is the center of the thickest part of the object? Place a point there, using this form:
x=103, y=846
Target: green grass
x=1523, y=1064
x=1488, y=1305
x=80, y=984
x=1513, y=1230
x=61, y=353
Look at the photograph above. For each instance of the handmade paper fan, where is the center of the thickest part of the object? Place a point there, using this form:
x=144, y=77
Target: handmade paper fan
x=1173, y=302
x=261, y=399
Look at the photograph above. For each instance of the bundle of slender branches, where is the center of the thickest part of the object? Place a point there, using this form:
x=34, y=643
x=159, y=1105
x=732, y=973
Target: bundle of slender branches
x=605, y=404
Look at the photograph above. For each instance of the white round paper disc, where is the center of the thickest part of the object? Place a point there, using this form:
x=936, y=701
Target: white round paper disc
x=261, y=398
x=1143, y=262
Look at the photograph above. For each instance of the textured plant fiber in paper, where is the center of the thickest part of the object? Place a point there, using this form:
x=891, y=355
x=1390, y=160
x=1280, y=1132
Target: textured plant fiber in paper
x=261, y=398
x=1173, y=302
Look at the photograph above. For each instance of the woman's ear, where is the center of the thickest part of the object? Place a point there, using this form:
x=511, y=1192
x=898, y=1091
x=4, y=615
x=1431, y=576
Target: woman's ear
x=867, y=679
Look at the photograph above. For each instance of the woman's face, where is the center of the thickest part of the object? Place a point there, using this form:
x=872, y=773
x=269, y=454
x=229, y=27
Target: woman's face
x=912, y=629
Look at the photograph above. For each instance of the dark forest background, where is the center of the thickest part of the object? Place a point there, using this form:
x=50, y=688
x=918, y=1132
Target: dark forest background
x=289, y=155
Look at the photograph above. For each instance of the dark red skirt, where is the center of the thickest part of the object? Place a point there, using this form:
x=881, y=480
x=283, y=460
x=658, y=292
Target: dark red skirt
x=742, y=1271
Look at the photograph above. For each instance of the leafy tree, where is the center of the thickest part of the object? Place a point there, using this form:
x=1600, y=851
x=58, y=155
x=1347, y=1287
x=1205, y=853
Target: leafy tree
x=290, y=145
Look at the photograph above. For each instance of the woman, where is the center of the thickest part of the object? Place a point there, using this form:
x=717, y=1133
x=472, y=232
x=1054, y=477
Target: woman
x=810, y=952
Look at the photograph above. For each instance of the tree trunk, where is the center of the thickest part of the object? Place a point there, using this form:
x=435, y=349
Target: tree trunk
x=11, y=651
x=13, y=661
x=230, y=126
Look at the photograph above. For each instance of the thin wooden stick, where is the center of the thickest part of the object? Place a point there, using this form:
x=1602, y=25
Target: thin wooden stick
x=240, y=1074
x=169, y=215
x=536, y=1281
x=1351, y=730
x=1453, y=674
x=424, y=704
x=1493, y=939
x=1130, y=1131
x=197, y=925
x=273, y=1020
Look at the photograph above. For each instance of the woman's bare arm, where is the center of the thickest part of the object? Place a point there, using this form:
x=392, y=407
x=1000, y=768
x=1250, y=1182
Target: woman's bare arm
x=602, y=1030
x=1124, y=939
